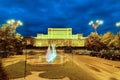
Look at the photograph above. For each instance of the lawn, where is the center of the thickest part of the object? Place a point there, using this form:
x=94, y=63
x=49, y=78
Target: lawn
x=50, y=71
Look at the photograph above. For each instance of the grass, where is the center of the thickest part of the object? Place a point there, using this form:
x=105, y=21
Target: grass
x=53, y=71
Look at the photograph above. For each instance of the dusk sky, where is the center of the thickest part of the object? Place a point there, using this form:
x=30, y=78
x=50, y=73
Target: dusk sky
x=38, y=15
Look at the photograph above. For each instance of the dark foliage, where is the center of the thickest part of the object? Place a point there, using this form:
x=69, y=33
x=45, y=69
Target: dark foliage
x=3, y=74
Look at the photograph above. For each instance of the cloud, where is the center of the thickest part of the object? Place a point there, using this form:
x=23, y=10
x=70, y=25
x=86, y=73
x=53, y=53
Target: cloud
x=38, y=15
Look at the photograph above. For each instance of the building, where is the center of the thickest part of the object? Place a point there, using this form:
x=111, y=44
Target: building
x=59, y=36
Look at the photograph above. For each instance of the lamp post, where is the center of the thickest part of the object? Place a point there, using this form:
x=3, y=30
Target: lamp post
x=118, y=25
x=96, y=24
x=14, y=24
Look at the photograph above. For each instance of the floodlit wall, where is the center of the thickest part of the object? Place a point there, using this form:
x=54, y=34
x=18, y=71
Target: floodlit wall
x=40, y=43
x=59, y=31
x=59, y=36
x=78, y=43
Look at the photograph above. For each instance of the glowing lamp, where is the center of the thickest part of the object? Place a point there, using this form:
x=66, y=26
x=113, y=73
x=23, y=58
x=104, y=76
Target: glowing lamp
x=118, y=24
x=91, y=22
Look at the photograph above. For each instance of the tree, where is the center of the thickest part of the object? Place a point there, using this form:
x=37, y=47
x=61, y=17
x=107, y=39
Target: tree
x=108, y=39
x=19, y=44
x=93, y=42
x=116, y=41
x=10, y=40
x=5, y=37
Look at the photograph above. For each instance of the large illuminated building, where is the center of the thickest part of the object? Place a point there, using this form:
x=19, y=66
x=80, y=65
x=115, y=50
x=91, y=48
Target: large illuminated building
x=59, y=36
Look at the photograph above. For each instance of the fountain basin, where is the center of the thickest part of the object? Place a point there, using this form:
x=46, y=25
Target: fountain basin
x=41, y=60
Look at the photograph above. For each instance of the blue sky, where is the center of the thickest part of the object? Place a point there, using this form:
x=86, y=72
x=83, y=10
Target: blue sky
x=38, y=15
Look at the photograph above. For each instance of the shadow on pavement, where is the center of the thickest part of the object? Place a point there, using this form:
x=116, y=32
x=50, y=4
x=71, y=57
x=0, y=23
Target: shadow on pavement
x=53, y=71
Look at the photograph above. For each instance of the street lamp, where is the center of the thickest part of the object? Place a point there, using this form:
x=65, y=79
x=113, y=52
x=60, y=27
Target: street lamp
x=14, y=24
x=117, y=24
x=96, y=24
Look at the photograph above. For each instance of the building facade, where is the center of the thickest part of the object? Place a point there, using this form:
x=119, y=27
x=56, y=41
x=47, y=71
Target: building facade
x=59, y=36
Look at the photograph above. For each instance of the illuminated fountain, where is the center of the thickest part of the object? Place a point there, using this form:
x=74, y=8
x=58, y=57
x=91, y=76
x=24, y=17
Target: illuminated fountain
x=50, y=56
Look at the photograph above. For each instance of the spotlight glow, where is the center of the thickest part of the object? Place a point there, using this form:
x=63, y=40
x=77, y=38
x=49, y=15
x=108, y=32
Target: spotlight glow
x=91, y=22
x=19, y=23
x=118, y=24
x=100, y=22
x=13, y=22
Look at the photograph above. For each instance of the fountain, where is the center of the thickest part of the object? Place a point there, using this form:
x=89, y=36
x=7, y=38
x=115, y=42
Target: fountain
x=51, y=57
